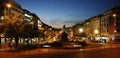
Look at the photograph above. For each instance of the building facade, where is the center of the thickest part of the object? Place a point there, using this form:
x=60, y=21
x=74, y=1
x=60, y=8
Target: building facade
x=27, y=17
x=10, y=13
x=110, y=23
x=92, y=26
x=11, y=10
x=76, y=29
x=106, y=24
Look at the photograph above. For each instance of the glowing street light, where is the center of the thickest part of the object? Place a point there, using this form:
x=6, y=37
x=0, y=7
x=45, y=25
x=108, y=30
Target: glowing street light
x=96, y=31
x=8, y=5
x=114, y=15
x=81, y=30
x=115, y=31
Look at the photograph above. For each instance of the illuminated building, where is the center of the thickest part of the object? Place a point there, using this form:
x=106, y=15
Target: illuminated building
x=91, y=25
x=11, y=10
x=27, y=16
x=110, y=23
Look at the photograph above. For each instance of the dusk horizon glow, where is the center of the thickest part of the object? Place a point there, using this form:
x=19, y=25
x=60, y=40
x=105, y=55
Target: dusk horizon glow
x=57, y=13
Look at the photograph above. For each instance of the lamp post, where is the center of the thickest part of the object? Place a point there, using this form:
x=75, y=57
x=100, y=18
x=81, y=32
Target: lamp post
x=81, y=30
x=8, y=5
x=114, y=15
x=114, y=30
x=96, y=31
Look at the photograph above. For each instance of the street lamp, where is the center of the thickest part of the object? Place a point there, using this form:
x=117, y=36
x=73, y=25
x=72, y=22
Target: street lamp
x=8, y=5
x=114, y=15
x=115, y=31
x=81, y=30
x=96, y=31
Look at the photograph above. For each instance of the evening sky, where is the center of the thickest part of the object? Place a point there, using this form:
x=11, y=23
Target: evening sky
x=67, y=12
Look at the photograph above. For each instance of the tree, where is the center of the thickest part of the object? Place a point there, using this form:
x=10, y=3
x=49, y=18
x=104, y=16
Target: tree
x=30, y=32
x=13, y=29
x=1, y=30
x=16, y=28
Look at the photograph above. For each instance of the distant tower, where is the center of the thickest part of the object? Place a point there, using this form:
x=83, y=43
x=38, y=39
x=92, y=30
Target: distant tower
x=64, y=28
x=64, y=34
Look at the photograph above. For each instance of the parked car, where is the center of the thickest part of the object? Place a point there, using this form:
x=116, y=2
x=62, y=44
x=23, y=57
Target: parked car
x=102, y=39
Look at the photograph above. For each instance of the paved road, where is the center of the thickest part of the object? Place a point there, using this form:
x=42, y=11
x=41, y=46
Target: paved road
x=92, y=51
x=101, y=53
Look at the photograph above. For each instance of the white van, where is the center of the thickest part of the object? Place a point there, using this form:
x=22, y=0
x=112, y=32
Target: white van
x=102, y=39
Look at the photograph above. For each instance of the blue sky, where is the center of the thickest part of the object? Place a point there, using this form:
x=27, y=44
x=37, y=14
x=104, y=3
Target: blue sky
x=67, y=12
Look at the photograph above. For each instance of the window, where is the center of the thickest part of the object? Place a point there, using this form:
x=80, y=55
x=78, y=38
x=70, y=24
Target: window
x=118, y=30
